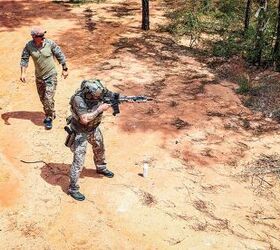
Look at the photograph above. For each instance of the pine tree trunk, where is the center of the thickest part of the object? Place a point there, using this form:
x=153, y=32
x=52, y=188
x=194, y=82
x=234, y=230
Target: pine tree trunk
x=145, y=15
x=277, y=43
x=247, y=15
x=259, y=45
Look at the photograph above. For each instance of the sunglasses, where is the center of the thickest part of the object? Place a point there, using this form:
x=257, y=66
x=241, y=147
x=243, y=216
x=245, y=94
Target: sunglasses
x=41, y=36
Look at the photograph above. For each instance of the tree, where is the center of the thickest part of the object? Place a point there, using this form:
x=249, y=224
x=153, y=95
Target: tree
x=276, y=53
x=247, y=15
x=261, y=26
x=145, y=15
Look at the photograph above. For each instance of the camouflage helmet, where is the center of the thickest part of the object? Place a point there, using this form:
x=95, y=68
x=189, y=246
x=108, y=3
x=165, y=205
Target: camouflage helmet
x=92, y=88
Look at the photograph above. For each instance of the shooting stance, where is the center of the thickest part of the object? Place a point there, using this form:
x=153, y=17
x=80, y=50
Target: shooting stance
x=87, y=106
x=43, y=51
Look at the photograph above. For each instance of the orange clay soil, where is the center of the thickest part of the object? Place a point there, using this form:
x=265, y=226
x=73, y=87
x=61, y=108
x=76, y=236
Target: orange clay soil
x=196, y=136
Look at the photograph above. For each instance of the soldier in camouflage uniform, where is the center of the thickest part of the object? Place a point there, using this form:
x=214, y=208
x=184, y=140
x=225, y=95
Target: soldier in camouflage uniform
x=43, y=51
x=87, y=109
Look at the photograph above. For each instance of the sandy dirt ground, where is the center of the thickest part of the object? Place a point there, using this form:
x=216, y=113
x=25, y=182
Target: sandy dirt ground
x=202, y=145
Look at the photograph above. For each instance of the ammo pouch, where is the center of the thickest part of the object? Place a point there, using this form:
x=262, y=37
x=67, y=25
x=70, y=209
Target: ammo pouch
x=70, y=136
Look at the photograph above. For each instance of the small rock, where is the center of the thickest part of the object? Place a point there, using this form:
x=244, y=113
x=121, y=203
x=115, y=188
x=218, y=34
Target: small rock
x=107, y=67
x=179, y=123
x=198, y=136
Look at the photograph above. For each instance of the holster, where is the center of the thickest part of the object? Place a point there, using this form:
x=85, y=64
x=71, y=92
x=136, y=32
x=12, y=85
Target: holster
x=70, y=136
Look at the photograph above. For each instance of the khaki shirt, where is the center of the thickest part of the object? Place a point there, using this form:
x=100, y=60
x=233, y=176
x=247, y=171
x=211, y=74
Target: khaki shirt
x=43, y=57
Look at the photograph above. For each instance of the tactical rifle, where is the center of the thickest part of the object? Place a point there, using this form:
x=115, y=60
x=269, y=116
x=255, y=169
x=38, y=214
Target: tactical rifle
x=116, y=99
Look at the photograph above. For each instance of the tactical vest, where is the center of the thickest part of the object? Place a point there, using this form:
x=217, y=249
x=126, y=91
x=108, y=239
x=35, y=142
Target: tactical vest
x=91, y=106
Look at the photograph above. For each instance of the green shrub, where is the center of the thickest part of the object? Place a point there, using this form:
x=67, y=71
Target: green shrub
x=224, y=20
x=244, y=86
x=226, y=48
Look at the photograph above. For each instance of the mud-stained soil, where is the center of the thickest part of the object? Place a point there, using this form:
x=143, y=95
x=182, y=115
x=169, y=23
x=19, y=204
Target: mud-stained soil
x=213, y=180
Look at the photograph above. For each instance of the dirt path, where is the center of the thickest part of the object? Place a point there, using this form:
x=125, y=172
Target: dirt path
x=196, y=136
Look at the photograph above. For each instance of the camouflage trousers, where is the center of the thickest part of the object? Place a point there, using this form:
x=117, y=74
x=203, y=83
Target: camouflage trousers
x=46, y=90
x=79, y=147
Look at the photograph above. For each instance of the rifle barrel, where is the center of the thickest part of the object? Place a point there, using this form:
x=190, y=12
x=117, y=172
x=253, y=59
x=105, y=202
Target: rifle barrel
x=134, y=99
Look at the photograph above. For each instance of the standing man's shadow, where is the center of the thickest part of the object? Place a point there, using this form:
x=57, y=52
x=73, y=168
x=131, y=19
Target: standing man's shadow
x=57, y=174
x=35, y=117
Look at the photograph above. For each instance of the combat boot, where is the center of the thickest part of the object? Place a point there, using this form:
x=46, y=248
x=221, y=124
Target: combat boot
x=106, y=172
x=77, y=196
x=48, y=123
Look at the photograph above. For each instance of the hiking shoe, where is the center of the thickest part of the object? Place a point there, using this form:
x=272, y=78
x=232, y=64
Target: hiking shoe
x=48, y=123
x=77, y=196
x=106, y=172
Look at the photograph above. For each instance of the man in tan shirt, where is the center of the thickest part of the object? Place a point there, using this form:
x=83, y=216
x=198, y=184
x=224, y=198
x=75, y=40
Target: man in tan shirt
x=43, y=51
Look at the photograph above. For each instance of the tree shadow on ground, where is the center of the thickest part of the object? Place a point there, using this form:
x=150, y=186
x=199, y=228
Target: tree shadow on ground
x=124, y=10
x=156, y=47
x=15, y=14
x=175, y=64
x=35, y=117
x=57, y=174
x=91, y=48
